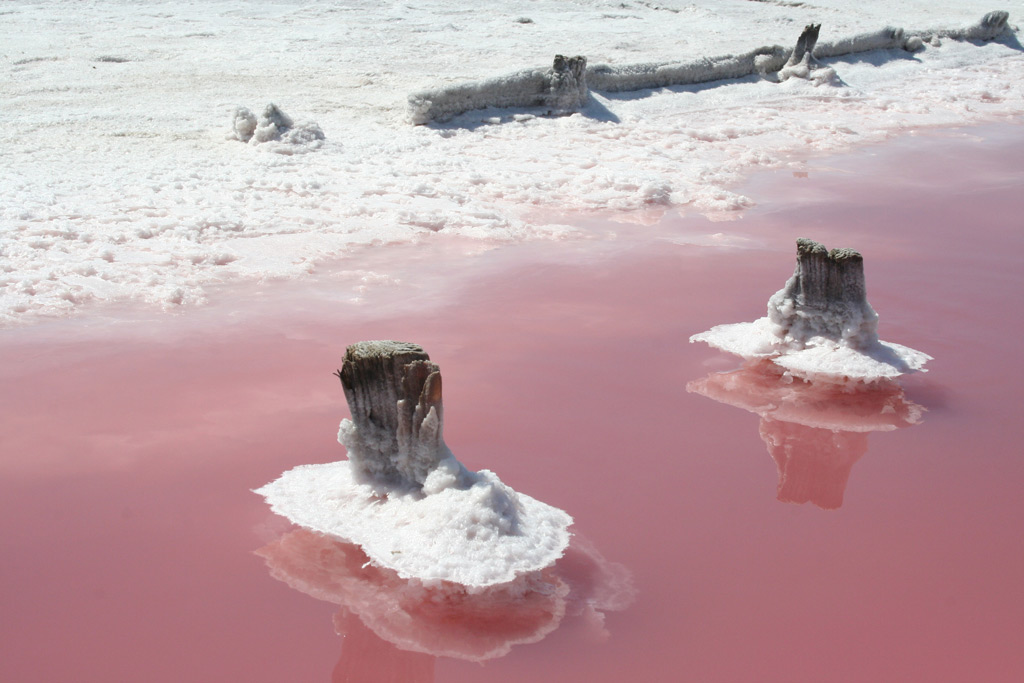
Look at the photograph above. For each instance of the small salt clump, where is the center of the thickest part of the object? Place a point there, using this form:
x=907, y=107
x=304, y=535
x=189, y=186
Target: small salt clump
x=275, y=130
x=243, y=124
x=402, y=496
x=820, y=325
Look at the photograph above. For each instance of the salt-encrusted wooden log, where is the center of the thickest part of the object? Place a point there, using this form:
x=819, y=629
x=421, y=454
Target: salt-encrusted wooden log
x=888, y=38
x=394, y=394
x=561, y=88
x=989, y=27
x=608, y=78
x=565, y=86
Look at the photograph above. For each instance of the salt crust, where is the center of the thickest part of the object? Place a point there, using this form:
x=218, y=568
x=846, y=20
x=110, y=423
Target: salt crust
x=463, y=527
x=816, y=357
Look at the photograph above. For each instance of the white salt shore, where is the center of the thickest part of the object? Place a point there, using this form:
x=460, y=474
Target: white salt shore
x=124, y=179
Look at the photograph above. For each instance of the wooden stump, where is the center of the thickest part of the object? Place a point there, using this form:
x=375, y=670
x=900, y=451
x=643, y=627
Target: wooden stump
x=826, y=296
x=394, y=393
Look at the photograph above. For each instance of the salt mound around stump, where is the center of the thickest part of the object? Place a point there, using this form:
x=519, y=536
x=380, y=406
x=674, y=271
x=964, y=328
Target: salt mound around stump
x=762, y=388
x=402, y=496
x=442, y=620
x=820, y=325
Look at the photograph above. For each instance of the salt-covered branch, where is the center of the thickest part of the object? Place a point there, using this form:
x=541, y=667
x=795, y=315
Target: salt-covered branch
x=607, y=78
x=888, y=38
x=802, y=63
x=562, y=88
x=989, y=27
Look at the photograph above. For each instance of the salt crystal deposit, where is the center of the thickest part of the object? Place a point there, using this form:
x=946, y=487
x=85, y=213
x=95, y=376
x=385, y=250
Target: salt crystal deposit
x=403, y=497
x=820, y=325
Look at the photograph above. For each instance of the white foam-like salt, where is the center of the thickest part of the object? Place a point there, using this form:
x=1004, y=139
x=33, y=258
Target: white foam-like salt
x=479, y=534
x=815, y=356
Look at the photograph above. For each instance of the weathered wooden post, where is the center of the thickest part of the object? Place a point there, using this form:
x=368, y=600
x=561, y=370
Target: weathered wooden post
x=826, y=297
x=394, y=393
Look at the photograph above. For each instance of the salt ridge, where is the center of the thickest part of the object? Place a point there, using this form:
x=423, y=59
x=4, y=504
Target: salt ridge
x=120, y=183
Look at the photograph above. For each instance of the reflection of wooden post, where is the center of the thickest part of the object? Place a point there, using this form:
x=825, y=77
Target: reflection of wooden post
x=394, y=394
x=813, y=464
x=367, y=658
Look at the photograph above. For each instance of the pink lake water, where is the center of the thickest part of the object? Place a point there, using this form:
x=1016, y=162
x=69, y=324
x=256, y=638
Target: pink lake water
x=820, y=538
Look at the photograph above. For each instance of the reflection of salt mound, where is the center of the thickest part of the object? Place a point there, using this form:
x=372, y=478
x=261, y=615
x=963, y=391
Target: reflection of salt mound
x=820, y=324
x=815, y=432
x=441, y=618
x=402, y=495
x=762, y=388
x=284, y=135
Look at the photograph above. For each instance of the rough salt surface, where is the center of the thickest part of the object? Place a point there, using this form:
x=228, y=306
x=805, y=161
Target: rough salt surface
x=466, y=528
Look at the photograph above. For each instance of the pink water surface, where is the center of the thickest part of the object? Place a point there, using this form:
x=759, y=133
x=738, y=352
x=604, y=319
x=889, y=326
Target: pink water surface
x=128, y=532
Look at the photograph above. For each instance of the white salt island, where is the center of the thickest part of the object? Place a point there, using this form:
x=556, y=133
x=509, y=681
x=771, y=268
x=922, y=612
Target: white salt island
x=402, y=496
x=820, y=325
